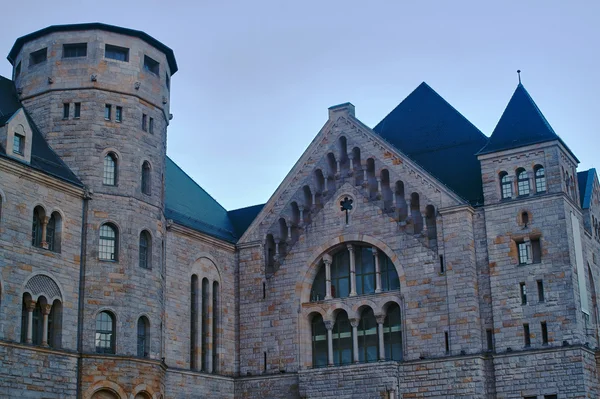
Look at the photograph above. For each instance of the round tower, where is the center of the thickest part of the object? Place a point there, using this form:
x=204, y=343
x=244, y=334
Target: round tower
x=100, y=96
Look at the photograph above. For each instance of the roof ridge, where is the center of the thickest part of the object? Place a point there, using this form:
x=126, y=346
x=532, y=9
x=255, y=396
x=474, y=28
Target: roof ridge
x=245, y=207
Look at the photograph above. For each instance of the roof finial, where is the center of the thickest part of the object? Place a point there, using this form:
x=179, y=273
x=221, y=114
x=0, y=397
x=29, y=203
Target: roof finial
x=519, y=73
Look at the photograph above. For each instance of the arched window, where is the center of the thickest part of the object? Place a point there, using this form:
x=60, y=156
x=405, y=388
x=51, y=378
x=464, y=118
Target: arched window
x=319, y=341
x=540, y=179
x=340, y=274
x=392, y=333
x=55, y=325
x=365, y=270
x=53, y=232
x=389, y=274
x=342, y=340
x=36, y=320
x=194, y=323
x=105, y=333
x=318, y=288
x=523, y=182
x=105, y=394
x=108, y=248
x=505, y=185
x=143, y=337
x=367, y=336
x=215, y=308
x=145, y=250
x=142, y=395
x=146, y=178
x=109, y=177
x=36, y=229
x=205, y=324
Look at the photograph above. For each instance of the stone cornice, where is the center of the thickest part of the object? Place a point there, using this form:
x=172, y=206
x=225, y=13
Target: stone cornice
x=249, y=244
x=201, y=374
x=191, y=233
x=36, y=176
x=454, y=209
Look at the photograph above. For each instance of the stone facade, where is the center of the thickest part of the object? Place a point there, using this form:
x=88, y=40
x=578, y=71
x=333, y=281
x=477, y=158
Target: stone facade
x=478, y=317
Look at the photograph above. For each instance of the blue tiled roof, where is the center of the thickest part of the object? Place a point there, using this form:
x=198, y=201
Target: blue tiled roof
x=585, y=180
x=521, y=124
x=243, y=217
x=436, y=136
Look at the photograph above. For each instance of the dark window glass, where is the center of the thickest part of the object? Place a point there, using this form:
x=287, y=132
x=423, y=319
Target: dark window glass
x=523, y=182
x=215, y=320
x=342, y=340
x=110, y=170
x=317, y=292
x=108, y=242
x=116, y=53
x=364, y=264
x=144, y=122
x=505, y=185
x=37, y=57
x=145, y=250
x=77, y=110
x=389, y=274
x=367, y=337
x=151, y=65
x=205, y=323
x=340, y=274
x=194, y=324
x=18, y=144
x=540, y=180
x=66, y=111
x=74, y=50
x=489, y=334
x=526, y=335
x=50, y=232
x=142, y=337
x=544, y=333
x=550, y=396
x=36, y=230
x=540, y=286
x=536, y=250
x=523, y=290
x=151, y=126
x=319, y=342
x=146, y=178
x=105, y=333
x=392, y=333
x=168, y=80
x=119, y=114
x=107, y=111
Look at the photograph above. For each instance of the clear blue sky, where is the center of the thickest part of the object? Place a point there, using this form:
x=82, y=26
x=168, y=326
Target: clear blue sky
x=256, y=77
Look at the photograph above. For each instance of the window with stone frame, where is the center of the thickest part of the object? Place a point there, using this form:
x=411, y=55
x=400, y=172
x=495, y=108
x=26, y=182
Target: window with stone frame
x=116, y=53
x=107, y=112
x=146, y=178
x=522, y=182
x=342, y=340
x=145, y=250
x=37, y=226
x=392, y=333
x=540, y=179
x=74, y=50
x=506, y=185
x=18, y=144
x=109, y=177
x=66, y=110
x=143, y=337
x=151, y=65
x=319, y=341
x=108, y=248
x=367, y=337
x=105, y=333
x=77, y=110
x=39, y=56
x=529, y=250
x=194, y=312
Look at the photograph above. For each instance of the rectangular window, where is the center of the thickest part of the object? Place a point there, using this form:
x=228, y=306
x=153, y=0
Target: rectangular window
x=447, y=341
x=116, y=53
x=18, y=70
x=39, y=56
x=536, y=250
x=550, y=396
x=529, y=397
x=77, y=110
x=66, y=111
x=144, y=122
x=544, y=333
x=442, y=266
x=119, y=114
x=526, y=335
x=524, y=253
x=151, y=126
x=523, y=290
x=18, y=144
x=151, y=65
x=74, y=50
x=490, y=339
x=540, y=286
x=107, y=112
x=168, y=80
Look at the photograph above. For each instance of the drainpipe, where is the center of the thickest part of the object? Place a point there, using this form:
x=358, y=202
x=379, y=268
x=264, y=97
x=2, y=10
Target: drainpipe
x=82, y=259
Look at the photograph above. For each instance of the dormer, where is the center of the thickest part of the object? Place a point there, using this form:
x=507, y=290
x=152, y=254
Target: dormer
x=524, y=157
x=16, y=136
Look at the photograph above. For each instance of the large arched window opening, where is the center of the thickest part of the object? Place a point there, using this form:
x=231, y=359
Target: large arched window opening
x=319, y=341
x=108, y=248
x=365, y=270
x=505, y=185
x=105, y=333
x=392, y=333
x=145, y=250
x=109, y=177
x=143, y=337
x=523, y=182
x=342, y=340
x=367, y=336
x=540, y=179
x=340, y=274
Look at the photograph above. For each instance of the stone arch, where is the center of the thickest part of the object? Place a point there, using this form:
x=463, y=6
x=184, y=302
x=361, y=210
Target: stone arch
x=383, y=309
x=304, y=282
x=113, y=151
x=359, y=307
x=40, y=205
x=43, y=283
x=105, y=385
x=205, y=265
x=143, y=389
x=333, y=311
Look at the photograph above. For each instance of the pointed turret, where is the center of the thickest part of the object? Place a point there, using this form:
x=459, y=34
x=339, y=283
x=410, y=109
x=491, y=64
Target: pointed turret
x=521, y=124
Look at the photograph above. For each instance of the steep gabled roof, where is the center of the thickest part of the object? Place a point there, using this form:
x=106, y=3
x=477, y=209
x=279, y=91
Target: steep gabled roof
x=585, y=180
x=243, y=217
x=43, y=157
x=189, y=205
x=521, y=124
x=436, y=136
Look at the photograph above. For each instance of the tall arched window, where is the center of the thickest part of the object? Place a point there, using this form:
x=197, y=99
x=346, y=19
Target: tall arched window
x=215, y=307
x=392, y=333
x=205, y=324
x=143, y=337
x=523, y=182
x=540, y=179
x=146, y=178
x=319, y=341
x=365, y=270
x=505, y=185
x=194, y=323
x=318, y=288
x=109, y=176
x=105, y=333
x=55, y=325
x=145, y=249
x=36, y=229
x=367, y=336
x=54, y=232
x=36, y=320
x=340, y=274
x=108, y=248
x=342, y=340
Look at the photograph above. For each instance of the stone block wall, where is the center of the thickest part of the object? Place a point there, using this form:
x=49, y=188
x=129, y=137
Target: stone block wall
x=282, y=386
x=188, y=385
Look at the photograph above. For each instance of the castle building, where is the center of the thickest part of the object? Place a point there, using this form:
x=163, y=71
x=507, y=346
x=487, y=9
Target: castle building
x=416, y=259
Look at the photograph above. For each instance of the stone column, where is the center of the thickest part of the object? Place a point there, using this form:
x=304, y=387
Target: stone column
x=352, y=271
x=209, y=333
x=30, y=306
x=424, y=231
x=289, y=226
x=351, y=159
x=276, y=257
x=45, y=312
x=365, y=178
x=380, y=320
x=354, y=324
x=337, y=169
x=326, y=188
x=301, y=209
x=45, y=221
x=408, y=210
x=379, y=187
x=329, y=327
x=314, y=200
x=327, y=260
x=377, y=271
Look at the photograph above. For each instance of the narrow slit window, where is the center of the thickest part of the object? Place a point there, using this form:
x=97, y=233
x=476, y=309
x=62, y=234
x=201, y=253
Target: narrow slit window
x=66, y=107
x=442, y=265
x=540, y=286
x=151, y=126
x=490, y=339
x=119, y=114
x=447, y=341
x=544, y=333
x=77, y=110
x=536, y=250
x=523, y=291
x=144, y=122
x=107, y=112
x=526, y=335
